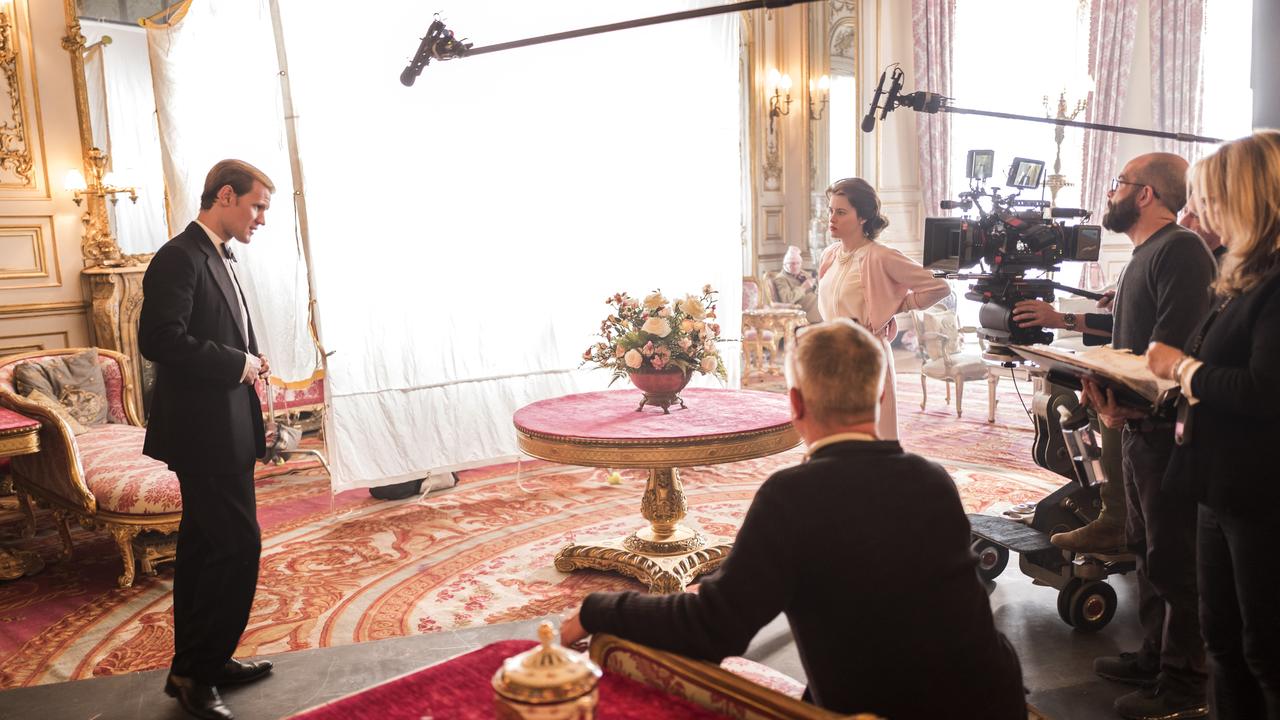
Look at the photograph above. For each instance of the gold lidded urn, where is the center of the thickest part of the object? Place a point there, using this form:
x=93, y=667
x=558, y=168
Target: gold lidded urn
x=549, y=682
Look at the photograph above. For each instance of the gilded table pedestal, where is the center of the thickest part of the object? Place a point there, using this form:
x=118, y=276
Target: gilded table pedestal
x=19, y=435
x=604, y=429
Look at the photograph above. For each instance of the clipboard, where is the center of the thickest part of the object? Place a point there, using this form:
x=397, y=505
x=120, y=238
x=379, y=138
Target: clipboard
x=1147, y=393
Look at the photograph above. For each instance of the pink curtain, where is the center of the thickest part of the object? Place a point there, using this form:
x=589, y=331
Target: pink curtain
x=1111, y=30
x=1177, y=74
x=933, y=28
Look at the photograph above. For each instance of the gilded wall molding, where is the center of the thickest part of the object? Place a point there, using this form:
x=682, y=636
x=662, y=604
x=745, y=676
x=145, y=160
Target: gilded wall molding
x=35, y=242
x=21, y=159
x=32, y=342
x=15, y=150
x=70, y=307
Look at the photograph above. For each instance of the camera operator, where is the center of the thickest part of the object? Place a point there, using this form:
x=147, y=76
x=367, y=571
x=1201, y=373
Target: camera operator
x=796, y=287
x=1162, y=294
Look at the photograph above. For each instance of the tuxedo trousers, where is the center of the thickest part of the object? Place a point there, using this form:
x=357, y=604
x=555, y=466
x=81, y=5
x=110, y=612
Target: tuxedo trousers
x=216, y=573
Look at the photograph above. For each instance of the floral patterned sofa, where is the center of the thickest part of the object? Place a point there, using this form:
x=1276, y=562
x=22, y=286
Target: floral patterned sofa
x=100, y=478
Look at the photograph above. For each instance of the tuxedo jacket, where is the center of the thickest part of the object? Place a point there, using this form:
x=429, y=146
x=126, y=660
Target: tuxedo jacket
x=203, y=419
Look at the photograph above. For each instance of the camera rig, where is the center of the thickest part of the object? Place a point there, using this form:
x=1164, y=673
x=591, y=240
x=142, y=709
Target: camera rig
x=1007, y=237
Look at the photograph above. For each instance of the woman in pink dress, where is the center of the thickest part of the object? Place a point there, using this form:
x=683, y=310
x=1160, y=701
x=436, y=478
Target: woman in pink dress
x=862, y=279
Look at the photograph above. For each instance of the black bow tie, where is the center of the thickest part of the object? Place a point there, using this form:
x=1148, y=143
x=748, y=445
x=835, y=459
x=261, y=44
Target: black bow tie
x=226, y=252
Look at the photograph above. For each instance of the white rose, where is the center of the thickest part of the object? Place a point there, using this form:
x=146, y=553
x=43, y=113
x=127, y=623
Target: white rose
x=633, y=358
x=654, y=301
x=708, y=364
x=693, y=307
x=657, y=326
x=685, y=343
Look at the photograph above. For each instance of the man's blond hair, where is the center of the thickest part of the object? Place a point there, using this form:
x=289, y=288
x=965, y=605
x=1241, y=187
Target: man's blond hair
x=239, y=174
x=838, y=366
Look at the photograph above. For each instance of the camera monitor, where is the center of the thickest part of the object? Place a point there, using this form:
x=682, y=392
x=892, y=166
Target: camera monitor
x=948, y=244
x=980, y=164
x=1025, y=173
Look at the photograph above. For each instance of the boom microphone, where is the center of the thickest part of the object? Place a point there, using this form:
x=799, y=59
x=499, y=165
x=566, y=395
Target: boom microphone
x=438, y=44
x=869, y=122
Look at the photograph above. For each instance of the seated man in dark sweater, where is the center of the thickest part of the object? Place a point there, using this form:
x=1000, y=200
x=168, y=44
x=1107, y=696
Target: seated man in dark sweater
x=865, y=547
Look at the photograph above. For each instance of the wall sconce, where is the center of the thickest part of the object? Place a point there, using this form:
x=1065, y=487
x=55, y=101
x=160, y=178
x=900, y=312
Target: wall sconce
x=100, y=187
x=102, y=183
x=779, y=103
x=824, y=91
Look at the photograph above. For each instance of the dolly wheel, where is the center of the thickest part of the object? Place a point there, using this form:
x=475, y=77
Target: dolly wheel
x=1093, y=604
x=1064, y=599
x=992, y=558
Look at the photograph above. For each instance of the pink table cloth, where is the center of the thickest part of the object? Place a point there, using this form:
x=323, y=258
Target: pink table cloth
x=611, y=416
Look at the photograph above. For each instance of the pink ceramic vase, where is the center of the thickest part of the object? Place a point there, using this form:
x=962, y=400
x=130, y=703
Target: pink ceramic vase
x=661, y=387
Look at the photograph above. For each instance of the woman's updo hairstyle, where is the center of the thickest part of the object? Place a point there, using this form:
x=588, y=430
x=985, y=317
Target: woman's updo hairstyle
x=864, y=200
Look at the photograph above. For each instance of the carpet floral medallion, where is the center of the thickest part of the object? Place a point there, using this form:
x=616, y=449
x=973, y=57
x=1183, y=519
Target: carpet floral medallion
x=348, y=569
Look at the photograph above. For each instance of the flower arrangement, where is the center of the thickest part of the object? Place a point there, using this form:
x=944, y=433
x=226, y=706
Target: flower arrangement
x=656, y=334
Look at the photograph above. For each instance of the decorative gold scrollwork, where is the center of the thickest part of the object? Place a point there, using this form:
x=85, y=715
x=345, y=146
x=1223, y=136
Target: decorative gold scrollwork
x=15, y=151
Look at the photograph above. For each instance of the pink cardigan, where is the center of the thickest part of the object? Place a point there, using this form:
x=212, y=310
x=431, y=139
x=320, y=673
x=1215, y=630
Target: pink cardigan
x=892, y=283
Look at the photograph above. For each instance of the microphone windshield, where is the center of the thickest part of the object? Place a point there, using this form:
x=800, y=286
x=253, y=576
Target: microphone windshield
x=869, y=122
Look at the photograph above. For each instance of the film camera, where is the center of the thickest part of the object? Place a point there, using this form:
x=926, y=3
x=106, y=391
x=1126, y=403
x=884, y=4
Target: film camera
x=1007, y=238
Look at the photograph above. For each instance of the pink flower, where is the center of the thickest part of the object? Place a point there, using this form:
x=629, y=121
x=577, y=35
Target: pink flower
x=647, y=350
x=660, y=358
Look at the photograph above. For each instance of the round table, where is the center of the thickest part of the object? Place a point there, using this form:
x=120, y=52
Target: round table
x=604, y=429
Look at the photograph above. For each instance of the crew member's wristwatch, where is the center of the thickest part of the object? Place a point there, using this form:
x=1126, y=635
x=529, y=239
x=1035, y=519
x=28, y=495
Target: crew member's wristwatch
x=1069, y=321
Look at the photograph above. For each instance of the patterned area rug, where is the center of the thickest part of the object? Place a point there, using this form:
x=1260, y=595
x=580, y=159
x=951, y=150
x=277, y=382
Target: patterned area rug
x=347, y=569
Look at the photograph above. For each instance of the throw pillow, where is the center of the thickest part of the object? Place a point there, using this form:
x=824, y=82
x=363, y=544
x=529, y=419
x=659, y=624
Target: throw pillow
x=73, y=380
x=57, y=408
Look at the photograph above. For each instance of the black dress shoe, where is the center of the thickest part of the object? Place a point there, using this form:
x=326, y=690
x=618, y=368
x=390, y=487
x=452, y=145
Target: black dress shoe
x=236, y=672
x=199, y=700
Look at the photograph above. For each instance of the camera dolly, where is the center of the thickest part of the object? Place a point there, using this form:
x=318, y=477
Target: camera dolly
x=1085, y=601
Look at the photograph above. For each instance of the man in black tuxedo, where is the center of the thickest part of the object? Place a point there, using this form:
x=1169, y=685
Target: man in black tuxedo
x=206, y=424
x=864, y=547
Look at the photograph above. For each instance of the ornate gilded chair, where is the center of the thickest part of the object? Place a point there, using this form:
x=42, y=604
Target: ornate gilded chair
x=767, y=325
x=100, y=478
x=943, y=356
x=739, y=689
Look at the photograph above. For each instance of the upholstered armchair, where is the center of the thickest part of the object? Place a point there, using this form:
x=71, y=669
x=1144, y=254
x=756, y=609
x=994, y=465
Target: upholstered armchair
x=944, y=356
x=100, y=477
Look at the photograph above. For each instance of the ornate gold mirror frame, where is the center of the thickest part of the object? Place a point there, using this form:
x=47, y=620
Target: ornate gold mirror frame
x=833, y=50
x=99, y=246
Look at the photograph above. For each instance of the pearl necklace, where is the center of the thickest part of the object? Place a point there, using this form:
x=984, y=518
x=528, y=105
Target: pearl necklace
x=844, y=256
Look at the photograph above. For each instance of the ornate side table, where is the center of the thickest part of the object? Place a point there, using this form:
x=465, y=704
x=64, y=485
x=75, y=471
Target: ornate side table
x=603, y=429
x=19, y=435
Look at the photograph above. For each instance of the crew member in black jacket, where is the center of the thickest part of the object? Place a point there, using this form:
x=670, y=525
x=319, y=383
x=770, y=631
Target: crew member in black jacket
x=865, y=547
x=1230, y=376
x=206, y=424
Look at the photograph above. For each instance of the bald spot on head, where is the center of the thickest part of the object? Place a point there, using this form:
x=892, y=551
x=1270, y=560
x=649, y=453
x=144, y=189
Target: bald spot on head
x=1166, y=173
